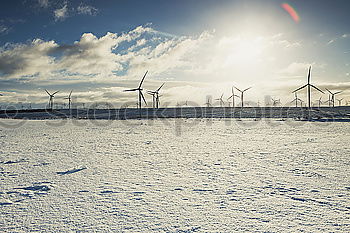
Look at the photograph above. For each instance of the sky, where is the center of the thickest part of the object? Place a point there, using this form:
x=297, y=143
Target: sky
x=197, y=48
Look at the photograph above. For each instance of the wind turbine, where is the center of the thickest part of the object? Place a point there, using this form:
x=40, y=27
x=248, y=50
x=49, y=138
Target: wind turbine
x=319, y=102
x=333, y=95
x=139, y=89
x=208, y=104
x=242, y=92
x=233, y=97
x=51, y=98
x=329, y=101
x=340, y=100
x=69, y=99
x=275, y=102
x=296, y=100
x=308, y=85
x=153, y=98
x=156, y=96
x=221, y=101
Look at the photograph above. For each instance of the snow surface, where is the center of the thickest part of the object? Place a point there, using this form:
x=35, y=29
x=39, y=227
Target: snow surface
x=174, y=175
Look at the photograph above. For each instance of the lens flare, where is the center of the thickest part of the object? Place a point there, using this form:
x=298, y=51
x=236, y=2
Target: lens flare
x=291, y=12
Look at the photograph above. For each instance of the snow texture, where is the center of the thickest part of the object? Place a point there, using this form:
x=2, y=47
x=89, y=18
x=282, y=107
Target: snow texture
x=163, y=176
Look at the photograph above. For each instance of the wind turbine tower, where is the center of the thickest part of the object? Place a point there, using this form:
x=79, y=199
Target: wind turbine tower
x=233, y=97
x=308, y=85
x=69, y=98
x=141, y=96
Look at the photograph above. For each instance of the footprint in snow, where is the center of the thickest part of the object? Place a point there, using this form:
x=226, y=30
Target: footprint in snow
x=71, y=171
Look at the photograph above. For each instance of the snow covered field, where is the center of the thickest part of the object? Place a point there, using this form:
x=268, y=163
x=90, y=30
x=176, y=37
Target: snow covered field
x=174, y=175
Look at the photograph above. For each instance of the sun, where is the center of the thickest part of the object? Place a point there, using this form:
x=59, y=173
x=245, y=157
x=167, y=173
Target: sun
x=245, y=51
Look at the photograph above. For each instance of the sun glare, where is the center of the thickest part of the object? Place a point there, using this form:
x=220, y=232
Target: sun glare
x=245, y=51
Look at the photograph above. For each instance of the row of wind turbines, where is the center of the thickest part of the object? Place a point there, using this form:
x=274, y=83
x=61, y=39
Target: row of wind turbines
x=155, y=94
x=52, y=95
x=222, y=102
x=276, y=102
x=331, y=96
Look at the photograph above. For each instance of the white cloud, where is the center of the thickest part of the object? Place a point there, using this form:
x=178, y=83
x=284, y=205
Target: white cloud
x=44, y=3
x=26, y=60
x=331, y=41
x=87, y=10
x=88, y=57
x=344, y=36
x=3, y=29
x=61, y=13
x=295, y=68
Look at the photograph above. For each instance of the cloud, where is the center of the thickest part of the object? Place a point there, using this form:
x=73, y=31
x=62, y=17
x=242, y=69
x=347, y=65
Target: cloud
x=295, y=68
x=342, y=37
x=87, y=10
x=192, y=66
x=3, y=29
x=43, y=3
x=26, y=60
x=61, y=13
x=86, y=58
x=168, y=57
x=331, y=41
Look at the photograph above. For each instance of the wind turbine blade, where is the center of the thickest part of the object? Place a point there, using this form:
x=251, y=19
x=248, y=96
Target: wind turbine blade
x=47, y=92
x=237, y=89
x=309, y=75
x=246, y=89
x=143, y=79
x=329, y=91
x=55, y=93
x=70, y=93
x=337, y=92
x=144, y=100
x=230, y=97
x=300, y=88
x=160, y=87
x=132, y=89
x=317, y=88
